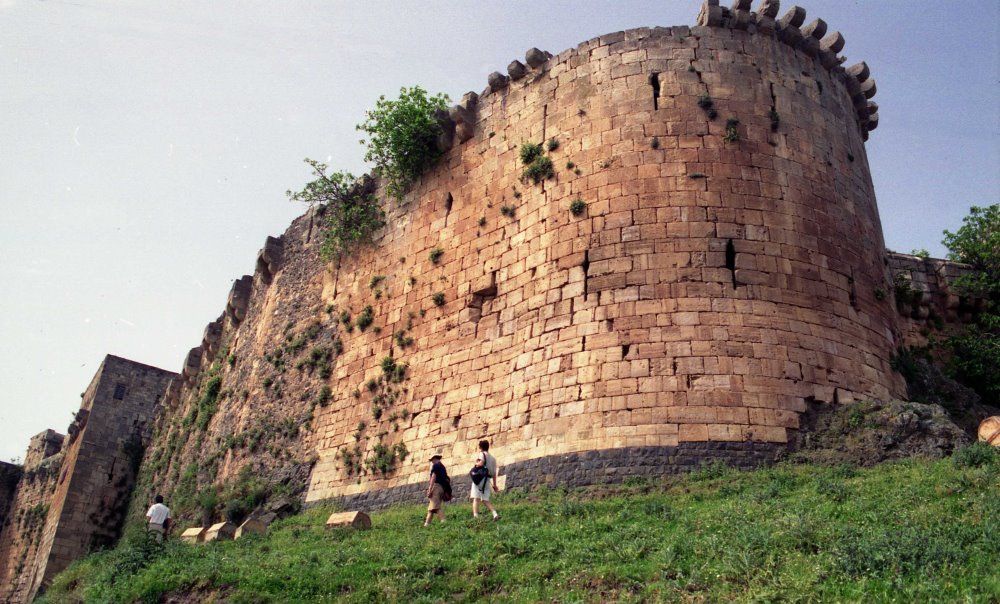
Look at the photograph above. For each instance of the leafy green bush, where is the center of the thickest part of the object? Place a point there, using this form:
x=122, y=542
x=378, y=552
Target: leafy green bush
x=977, y=242
x=529, y=152
x=402, y=137
x=208, y=499
x=209, y=401
x=540, y=169
x=976, y=455
x=384, y=458
x=976, y=357
x=324, y=396
x=137, y=550
x=365, y=318
x=350, y=210
x=976, y=351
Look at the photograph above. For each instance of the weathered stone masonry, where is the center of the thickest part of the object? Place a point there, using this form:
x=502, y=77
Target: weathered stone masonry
x=72, y=495
x=727, y=270
x=709, y=290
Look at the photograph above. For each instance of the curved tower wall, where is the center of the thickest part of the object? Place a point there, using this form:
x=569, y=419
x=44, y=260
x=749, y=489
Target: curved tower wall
x=709, y=290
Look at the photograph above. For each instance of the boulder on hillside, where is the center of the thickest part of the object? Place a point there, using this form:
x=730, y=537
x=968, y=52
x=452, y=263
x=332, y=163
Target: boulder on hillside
x=869, y=432
x=927, y=383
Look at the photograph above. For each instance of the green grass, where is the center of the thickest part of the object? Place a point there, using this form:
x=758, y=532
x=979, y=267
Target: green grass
x=901, y=532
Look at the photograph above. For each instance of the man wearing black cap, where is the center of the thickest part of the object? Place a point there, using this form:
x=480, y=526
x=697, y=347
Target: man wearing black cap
x=439, y=485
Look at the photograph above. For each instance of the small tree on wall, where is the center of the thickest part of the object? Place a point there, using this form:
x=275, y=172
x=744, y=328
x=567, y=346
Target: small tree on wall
x=977, y=242
x=976, y=351
x=350, y=210
x=402, y=137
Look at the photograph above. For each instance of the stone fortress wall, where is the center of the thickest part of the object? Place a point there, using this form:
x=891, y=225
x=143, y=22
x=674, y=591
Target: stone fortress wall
x=74, y=490
x=709, y=290
x=727, y=269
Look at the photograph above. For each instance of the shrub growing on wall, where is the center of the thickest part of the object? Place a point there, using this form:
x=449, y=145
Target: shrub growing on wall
x=977, y=243
x=976, y=351
x=402, y=137
x=351, y=212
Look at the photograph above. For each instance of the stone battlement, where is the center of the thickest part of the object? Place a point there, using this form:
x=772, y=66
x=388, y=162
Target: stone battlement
x=811, y=39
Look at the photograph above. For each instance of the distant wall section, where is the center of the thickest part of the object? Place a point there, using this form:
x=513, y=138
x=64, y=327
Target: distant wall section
x=74, y=491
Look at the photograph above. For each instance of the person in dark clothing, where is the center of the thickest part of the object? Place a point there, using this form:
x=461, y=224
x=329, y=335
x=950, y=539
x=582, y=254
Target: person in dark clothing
x=438, y=489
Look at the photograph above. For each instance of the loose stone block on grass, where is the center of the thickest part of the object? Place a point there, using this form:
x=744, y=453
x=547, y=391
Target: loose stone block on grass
x=194, y=535
x=254, y=526
x=358, y=520
x=222, y=531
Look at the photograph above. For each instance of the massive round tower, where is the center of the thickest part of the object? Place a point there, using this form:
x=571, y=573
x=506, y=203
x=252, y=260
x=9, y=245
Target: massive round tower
x=691, y=258
x=726, y=266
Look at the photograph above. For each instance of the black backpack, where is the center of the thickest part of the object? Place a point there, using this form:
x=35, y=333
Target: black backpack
x=480, y=474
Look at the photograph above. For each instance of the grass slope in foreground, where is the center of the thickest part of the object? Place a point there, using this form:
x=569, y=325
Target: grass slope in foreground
x=913, y=531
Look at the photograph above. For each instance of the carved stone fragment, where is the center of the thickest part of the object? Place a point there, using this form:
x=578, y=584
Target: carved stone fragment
x=497, y=81
x=711, y=14
x=859, y=71
x=516, y=70
x=464, y=121
x=534, y=57
x=868, y=88
x=833, y=42
x=795, y=17
x=358, y=520
x=192, y=364
x=239, y=298
x=769, y=8
x=816, y=29
x=211, y=336
x=194, y=535
x=252, y=526
x=222, y=531
x=470, y=101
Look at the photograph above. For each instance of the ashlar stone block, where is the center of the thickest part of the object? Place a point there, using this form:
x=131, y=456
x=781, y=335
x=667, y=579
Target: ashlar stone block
x=222, y=531
x=357, y=520
x=194, y=535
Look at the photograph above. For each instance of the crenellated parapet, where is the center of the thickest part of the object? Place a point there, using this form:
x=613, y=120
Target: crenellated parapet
x=43, y=445
x=212, y=336
x=192, y=364
x=926, y=297
x=810, y=38
x=458, y=123
x=269, y=258
x=239, y=297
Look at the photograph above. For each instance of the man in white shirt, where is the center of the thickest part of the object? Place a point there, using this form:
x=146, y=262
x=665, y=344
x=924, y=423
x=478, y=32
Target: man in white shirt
x=159, y=518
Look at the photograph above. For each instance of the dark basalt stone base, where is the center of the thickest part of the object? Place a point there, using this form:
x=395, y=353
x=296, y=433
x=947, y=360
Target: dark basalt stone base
x=608, y=466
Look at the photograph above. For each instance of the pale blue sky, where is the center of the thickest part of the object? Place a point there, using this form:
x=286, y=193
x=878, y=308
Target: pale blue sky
x=145, y=148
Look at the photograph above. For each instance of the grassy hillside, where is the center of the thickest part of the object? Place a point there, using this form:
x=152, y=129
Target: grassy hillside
x=911, y=531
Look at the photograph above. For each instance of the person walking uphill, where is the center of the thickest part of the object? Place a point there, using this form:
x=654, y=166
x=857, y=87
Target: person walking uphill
x=438, y=489
x=485, y=485
x=159, y=518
